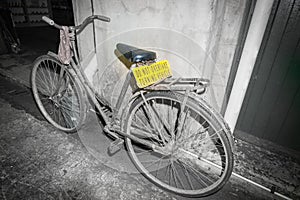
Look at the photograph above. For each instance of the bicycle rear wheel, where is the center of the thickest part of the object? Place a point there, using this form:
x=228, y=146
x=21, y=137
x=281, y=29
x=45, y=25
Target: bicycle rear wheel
x=194, y=157
x=58, y=94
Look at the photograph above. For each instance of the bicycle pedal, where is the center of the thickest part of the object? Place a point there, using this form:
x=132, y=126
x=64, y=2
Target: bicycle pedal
x=115, y=146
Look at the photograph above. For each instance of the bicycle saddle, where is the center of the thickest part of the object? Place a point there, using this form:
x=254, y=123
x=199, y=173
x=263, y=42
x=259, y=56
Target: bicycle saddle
x=134, y=54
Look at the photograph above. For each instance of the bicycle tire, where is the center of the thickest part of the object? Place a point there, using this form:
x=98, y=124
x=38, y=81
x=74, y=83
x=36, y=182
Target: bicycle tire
x=186, y=158
x=58, y=94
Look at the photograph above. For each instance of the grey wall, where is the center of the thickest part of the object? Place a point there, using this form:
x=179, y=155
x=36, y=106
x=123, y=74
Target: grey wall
x=198, y=37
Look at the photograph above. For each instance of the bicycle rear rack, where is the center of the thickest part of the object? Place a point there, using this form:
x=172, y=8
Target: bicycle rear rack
x=197, y=85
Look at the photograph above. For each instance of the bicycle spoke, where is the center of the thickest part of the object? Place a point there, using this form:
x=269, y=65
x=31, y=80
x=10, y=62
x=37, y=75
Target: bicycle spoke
x=180, y=119
x=165, y=174
x=154, y=129
x=153, y=119
x=158, y=168
x=67, y=120
x=66, y=107
x=187, y=175
x=176, y=174
x=147, y=126
x=143, y=133
x=186, y=126
x=161, y=118
x=170, y=174
x=43, y=80
x=57, y=93
x=51, y=78
x=157, y=160
x=193, y=158
x=58, y=77
x=197, y=174
x=42, y=86
x=48, y=76
x=171, y=119
x=145, y=117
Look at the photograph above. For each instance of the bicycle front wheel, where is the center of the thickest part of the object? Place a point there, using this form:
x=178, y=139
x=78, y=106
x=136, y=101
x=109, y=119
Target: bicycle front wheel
x=192, y=154
x=57, y=94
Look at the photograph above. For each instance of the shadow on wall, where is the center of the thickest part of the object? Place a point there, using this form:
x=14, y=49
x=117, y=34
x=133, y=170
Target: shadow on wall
x=192, y=35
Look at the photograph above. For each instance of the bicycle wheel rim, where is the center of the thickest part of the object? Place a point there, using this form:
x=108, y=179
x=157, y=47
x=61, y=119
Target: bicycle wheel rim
x=57, y=94
x=184, y=186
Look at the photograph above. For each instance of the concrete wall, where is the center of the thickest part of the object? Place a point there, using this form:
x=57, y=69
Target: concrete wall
x=198, y=37
x=83, y=9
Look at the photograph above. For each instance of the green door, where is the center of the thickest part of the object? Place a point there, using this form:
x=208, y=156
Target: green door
x=271, y=108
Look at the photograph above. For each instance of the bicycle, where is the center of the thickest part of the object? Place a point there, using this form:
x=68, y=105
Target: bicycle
x=174, y=138
x=11, y=40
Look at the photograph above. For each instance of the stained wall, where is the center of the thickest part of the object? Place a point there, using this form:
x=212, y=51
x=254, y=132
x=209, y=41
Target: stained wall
x=198, y=37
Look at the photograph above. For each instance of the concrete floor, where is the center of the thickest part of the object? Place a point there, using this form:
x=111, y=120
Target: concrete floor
x=40, y=162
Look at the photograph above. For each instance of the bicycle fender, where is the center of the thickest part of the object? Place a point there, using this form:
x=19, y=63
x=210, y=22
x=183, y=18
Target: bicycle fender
x=52, y=54
x=219, y=118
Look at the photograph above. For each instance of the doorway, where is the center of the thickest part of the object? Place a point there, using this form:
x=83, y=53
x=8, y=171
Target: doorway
x=271, y=108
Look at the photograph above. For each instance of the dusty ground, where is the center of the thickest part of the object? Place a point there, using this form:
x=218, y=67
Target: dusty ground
x=39, y=162
x=269, y=167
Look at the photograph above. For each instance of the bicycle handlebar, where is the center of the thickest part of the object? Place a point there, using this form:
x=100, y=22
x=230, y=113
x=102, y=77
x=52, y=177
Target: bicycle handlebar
x=88, y=20
x=80, y=27
x=51, y=22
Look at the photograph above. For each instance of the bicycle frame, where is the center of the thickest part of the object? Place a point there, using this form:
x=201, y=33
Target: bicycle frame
x=112, y=125
x=166, y=125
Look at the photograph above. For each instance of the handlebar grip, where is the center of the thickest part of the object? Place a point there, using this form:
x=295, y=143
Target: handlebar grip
x=103, y=18
x=48, y=20
x=88, y=20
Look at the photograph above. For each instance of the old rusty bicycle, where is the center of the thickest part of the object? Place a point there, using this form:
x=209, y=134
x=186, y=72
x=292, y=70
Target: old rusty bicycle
x=172, y=135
